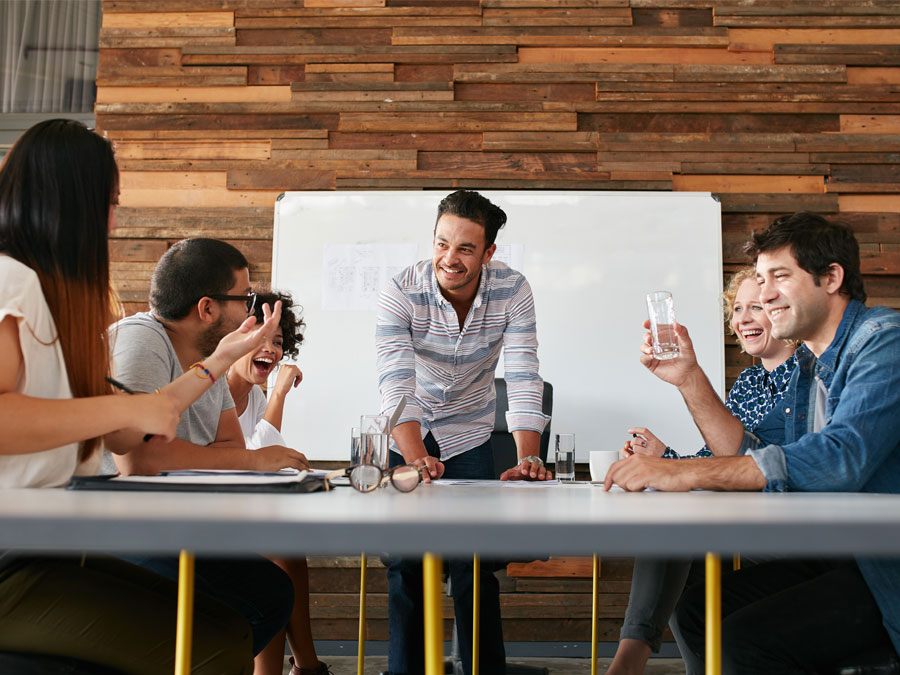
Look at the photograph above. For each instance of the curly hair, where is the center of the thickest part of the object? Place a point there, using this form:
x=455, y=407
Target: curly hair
x=291, y=323
x=730, y=293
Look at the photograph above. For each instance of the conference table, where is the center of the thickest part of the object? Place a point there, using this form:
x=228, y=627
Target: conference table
x=455, y=520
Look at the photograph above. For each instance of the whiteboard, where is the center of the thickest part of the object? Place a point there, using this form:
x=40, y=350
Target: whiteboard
x=590, y=258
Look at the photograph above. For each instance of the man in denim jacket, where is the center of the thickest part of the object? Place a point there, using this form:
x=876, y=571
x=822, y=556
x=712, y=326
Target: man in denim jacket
x=837, y=429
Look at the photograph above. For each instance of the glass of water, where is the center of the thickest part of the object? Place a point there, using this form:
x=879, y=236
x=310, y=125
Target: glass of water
x=373, y=440
x=661, y=309
x=565, y=458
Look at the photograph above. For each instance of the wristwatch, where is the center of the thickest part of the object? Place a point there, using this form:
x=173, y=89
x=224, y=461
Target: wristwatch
x=532, y=458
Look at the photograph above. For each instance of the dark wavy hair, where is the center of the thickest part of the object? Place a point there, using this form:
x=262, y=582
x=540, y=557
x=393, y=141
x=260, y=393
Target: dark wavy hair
x=57, y=185
x=291, y=323
x=816, y=243
x=472, y=206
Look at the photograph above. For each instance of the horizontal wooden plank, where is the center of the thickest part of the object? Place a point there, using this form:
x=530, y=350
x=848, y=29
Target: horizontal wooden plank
x=524, y=162
x=729, y=167
x=283, y=179
x=870, y=124
x=272, y=75
x=197, y=134
x=699, y=142
x=168, y=19
x=858, y=55
x=302, y=54
x=855, y=157
x=201, y=197
x=458, y=121
x=844, y=142
x=217, y=121
x=560, y=16
x=866, y=173
x=197, y=94
x=553, y=3
x=708, y=123
x=779, y=184
x=218, y=149
x=420, y=141
x=561, y=566
x=736, y=159
x=876, y=203
x=765, y=39
x=639, y=55
x=469, y=91
x=559, y=72
x=873, y=75
x=758, y=73
x=307, y=11
x=229, y=76
x=357, y=21
x=375, y=86
x=299, y=159
x=272, y=110
x=564, y=141
x=539, y=35
x=779, y=203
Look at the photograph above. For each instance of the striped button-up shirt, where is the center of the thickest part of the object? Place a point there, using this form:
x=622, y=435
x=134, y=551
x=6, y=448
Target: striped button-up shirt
x=447, y=374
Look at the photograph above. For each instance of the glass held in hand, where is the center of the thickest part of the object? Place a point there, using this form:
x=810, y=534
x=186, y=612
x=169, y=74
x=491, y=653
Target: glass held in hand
x=661, y=309
x=565, y=458
x=368, y=477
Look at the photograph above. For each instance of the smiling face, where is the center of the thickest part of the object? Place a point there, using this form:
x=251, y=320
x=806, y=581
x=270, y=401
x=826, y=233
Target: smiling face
x=794, y=303
x=752, y=327
x=459, y=252
x=255, y=367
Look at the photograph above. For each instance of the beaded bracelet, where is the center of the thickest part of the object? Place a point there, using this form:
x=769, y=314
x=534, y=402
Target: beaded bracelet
x=205, y=374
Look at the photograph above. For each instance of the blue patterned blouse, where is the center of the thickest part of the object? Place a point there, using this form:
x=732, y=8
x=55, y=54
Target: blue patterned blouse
x=755, y=392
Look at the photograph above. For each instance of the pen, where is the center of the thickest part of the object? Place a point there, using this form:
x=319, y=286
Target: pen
x=127, y=390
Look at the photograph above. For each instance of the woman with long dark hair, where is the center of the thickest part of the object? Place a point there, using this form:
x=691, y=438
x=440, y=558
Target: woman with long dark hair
x=58, y=192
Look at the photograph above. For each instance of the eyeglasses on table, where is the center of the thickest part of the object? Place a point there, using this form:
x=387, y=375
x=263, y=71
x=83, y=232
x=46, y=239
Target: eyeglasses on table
x=368, y=477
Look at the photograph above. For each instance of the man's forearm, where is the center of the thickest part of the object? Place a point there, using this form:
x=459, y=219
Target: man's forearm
x=408, y=437
x=528, y=443
x=730, y=474
x=721, y=430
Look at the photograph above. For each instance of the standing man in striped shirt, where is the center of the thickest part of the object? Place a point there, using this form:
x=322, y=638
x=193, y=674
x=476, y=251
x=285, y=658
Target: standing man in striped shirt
x=441, y=326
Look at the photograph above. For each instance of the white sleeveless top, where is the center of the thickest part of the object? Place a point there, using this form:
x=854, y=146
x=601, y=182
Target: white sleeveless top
x=43, y=375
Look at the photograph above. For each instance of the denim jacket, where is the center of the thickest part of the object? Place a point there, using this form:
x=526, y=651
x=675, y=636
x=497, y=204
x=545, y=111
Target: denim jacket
x=858, y=449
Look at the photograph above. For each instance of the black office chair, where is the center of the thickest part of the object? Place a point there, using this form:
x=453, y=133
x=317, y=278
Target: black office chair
x=506, y=457
x=504, y=445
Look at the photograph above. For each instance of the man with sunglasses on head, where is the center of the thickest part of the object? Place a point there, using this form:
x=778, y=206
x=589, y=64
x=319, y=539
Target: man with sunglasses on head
x=441, y=326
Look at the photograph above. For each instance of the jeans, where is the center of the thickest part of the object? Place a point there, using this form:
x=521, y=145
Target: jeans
x=784, y=616
x=254, y=587
x=406, y=649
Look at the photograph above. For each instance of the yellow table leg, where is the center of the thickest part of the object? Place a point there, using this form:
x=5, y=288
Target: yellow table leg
x=185, y=619
x=736, y=562
x=595, y=611
x=476, y=606
x=434, y=633
x=361, y=647
x=713, y=614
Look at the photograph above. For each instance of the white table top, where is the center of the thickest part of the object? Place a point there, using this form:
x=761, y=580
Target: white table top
x=489, y=519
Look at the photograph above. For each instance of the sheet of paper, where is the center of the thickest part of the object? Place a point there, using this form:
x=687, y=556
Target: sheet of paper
x=217, y=478
x=513, y=255
x=353, y=274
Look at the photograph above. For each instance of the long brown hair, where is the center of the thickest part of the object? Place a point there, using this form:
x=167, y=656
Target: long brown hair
x=56, y=187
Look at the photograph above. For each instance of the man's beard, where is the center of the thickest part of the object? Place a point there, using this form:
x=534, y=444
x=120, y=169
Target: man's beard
x=209, y=339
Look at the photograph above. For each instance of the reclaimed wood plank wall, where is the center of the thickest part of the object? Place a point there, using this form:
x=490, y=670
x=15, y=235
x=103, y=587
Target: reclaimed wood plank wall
x=217, y=106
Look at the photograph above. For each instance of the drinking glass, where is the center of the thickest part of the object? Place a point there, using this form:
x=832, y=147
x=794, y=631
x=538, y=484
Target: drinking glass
x=565, y=458
x=662, y=325
x=373, y=440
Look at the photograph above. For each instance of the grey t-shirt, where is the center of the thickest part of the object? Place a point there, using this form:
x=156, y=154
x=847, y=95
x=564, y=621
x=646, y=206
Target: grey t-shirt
x=145, y=360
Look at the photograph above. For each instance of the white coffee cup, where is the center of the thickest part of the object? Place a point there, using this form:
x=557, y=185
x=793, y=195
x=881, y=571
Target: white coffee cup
x=600, y=462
